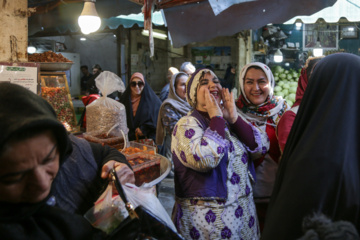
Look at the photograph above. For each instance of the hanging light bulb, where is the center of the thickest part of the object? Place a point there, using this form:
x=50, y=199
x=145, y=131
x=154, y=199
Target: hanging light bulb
x=318, y=51
x=278, y=56
x=89, y=21
x=31, y=49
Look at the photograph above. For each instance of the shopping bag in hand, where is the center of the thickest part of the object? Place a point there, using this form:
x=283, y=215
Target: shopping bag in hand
x=108, y=212
x=141, y=222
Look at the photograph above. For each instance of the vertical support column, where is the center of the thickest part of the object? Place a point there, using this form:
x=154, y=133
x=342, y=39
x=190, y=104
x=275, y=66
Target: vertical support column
x=14, y=30
x=123, y=42
x=245, y=52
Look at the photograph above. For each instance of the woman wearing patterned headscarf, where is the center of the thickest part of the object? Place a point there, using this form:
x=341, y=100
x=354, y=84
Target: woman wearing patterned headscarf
x=259, y=106
x=213, y=175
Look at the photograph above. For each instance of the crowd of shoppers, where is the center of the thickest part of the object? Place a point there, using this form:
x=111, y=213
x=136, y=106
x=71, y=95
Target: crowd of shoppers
x=243, y=169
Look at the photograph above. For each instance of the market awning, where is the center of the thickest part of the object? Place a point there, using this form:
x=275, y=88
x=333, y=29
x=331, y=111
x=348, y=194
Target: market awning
x=196, y=22
x=61, y=15
x=348, y=9
x=127, y=21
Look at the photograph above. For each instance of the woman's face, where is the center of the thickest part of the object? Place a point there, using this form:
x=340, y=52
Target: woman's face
x=256, y=86
x=28, y=168
x=180, y=87
x=95, y=70
x=136, y=86
x=211, y=84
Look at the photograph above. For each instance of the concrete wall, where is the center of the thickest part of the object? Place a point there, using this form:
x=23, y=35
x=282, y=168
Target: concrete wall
x=103, y=49
x=100, y=48
x=165, y=56
x=154, y=70
x=13, y=30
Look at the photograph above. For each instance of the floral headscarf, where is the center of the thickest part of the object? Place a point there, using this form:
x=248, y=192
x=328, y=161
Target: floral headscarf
x=272, y=108
x=192, y=85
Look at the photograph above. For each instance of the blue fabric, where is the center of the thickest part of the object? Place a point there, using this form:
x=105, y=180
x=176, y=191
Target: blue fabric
x=78, y=183
x=164, y=92
x=194, y=184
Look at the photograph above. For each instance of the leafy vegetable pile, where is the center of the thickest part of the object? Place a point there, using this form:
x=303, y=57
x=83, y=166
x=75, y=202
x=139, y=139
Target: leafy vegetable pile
x=286, y=82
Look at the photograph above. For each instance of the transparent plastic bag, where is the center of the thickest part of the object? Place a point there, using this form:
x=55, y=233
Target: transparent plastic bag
x=105, y=113
x=108, y=212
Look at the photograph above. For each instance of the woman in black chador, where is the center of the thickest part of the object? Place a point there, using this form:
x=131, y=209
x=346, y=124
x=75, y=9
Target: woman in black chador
x=320, y=167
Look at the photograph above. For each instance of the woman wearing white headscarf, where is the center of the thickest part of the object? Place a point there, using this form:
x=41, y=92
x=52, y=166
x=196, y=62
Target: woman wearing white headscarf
x=259, y=106
x=171, y=110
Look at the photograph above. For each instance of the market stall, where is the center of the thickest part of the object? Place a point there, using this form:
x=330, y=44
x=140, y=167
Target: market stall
x=54, y=86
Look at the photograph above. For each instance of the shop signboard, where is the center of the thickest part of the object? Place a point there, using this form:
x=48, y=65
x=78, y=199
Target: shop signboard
x=326, y=33
x=24, y=74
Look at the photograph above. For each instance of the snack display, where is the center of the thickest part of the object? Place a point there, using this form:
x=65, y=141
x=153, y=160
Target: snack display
x=48, y=56
x=104, y=139
x=135, y=147
x=59, y=100
x=146, y=167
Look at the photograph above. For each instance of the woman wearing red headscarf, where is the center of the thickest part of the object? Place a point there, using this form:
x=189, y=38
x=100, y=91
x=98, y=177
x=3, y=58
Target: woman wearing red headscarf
x=287, y=120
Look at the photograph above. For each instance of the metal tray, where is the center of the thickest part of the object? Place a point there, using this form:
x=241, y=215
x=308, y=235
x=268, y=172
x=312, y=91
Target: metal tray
x=165, y=167
x=56, y=66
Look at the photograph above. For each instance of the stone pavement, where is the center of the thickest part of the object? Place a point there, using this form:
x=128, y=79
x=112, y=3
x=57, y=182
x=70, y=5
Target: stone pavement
x=167, y=194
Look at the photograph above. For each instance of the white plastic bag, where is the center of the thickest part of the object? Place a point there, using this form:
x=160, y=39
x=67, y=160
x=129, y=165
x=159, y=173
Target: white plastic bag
x=105, y=113
x=145, y=197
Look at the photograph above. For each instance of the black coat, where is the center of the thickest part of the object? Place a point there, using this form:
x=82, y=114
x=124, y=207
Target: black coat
x=21, y=110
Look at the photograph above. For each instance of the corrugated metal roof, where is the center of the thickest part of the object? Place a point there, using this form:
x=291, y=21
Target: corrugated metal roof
x=348, y=9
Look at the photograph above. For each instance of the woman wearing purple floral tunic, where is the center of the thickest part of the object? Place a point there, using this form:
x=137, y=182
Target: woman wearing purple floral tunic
x=213, y=174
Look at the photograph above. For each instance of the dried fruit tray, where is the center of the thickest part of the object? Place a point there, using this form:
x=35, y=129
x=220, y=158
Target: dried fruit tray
x=146, y=167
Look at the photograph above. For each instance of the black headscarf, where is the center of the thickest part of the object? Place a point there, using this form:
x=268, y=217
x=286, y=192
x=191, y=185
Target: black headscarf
x=21, y=110
x=320, y=170
x=146, y=114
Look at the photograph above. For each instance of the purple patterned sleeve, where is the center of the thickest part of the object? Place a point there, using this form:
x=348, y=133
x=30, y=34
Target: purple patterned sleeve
x=245, y=132
x=218, y=124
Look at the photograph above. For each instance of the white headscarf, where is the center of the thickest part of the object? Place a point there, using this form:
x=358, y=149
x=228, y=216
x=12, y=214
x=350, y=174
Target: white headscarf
x=252, y=115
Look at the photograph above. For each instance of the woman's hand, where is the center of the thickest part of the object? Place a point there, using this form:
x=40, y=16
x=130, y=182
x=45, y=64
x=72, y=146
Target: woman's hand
x=229, y=110
x=124, y=173
x=138, y=132
x=211, y=106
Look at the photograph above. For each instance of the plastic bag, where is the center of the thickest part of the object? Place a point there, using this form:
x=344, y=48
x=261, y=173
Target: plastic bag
x=106, y=114
x=144, y=196
x=108, y=212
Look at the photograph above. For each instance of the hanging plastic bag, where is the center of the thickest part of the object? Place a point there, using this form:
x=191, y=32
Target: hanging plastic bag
x=146, y=216
x=105, y=113
x=108, y=212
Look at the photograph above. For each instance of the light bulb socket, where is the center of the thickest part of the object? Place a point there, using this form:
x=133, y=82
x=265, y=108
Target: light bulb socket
x=89, y=9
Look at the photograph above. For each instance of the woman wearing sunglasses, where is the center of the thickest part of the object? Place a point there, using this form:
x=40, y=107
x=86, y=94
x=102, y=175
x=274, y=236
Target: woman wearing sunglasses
x=142, y=108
